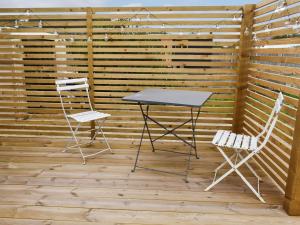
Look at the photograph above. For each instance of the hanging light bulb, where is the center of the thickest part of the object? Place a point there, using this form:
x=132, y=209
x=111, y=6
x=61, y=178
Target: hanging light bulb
x=281, y=6
x=235, y=18
x=106, y=38
x=16, y=24
x=27, y=13
x=246, y=32
x=89, y=39
x=122, y=29
x=296, y=26
x=163, y=26
x=255, y=37
x=40, y=24
x=267, y=29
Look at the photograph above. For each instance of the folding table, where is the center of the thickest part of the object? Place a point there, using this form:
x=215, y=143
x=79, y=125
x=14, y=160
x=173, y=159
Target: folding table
x=154, y=96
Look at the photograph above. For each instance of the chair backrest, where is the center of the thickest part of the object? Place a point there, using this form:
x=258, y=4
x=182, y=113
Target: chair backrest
x=71, y=84
x=64, y=87
x=267, y=130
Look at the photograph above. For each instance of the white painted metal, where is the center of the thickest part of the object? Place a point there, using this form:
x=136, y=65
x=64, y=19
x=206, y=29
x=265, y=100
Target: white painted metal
x=72, y=87
x=223, y=138
x=238, y=141
x=246, y=141
x=249, y=145
x=87, y=116
x=231, y=140
x=71, y=81
x=253, y=144
x=217, y=137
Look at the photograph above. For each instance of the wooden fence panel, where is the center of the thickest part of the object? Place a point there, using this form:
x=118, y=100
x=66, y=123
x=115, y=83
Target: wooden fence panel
x=36, y=49
x=125, y=50
x=122, y=51
x=274, y=67
x=163, y=49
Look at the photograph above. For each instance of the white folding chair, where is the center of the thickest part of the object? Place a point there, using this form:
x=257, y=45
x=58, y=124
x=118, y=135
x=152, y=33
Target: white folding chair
x=244, y=143
x=68, y=89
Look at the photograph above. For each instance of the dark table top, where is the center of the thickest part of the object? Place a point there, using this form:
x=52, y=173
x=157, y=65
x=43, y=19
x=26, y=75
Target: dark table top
x=170, y=97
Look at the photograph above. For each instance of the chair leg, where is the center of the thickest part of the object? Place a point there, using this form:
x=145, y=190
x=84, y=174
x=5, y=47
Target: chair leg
x=82, y=155
x=79, y=148
x=222, y=165
x=225, y=162
x=106, y=142
x=78, y=145
x=94, y=137
x=68, y=145
x=228, y=160
x=251, y=168
x=234, y=168
x=103, y=135
x=250, y=186
x=73, y=136
x=214, y=183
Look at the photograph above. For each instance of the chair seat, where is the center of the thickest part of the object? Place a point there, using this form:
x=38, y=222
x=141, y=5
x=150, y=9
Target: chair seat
x=88, y=116
x=225, y=138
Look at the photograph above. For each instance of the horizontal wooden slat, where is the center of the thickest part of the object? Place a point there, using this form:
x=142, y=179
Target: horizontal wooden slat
x=274, y=67
x=163, y=50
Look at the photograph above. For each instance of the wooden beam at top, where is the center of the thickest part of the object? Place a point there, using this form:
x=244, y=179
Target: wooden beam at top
x=126, y=9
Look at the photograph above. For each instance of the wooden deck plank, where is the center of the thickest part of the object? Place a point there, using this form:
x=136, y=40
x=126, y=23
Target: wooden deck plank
x=41, y=185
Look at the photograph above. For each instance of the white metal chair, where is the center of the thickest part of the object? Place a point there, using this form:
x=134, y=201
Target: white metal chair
x=67, y=90
x=244, y=143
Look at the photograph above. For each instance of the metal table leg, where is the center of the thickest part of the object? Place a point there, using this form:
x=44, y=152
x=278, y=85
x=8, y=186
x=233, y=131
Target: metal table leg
x=145, y=117
x=192, y=145
x=139, y=149
x=142, y=136
x=194, y=123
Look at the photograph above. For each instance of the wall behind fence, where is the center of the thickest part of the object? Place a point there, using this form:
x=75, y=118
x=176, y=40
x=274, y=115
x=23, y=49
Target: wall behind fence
x=274, y=67
x=121, y=51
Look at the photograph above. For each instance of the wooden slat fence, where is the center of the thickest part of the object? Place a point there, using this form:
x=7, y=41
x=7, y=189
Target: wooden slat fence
x=121, y=51
x=125, y=50
x=274, y=66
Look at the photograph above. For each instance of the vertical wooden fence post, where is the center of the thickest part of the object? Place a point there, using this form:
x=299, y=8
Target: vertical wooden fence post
x=292, y=192
x=243, y=64
x=90, y=55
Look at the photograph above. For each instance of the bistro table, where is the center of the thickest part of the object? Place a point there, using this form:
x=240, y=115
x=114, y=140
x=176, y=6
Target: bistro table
x=154, y=96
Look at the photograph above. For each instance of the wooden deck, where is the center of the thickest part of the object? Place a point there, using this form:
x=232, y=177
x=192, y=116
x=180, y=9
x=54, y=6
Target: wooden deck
x=40, y=185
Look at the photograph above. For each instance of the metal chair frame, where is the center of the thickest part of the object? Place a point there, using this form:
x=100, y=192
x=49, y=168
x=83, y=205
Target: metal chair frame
x=87, y=116
x=248, y=144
